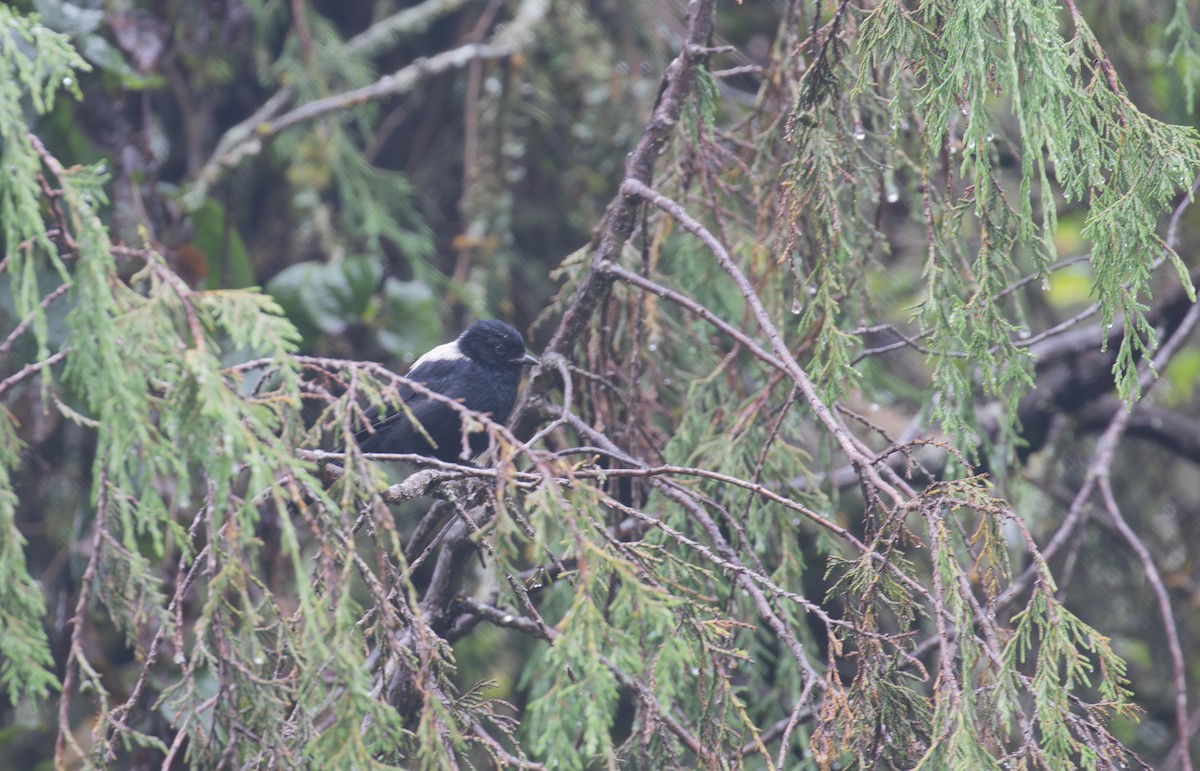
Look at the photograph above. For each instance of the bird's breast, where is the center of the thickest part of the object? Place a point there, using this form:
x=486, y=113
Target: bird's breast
x=492, y=390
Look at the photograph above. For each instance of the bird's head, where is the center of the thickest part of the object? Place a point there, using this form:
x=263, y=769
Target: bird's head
x=494, y=344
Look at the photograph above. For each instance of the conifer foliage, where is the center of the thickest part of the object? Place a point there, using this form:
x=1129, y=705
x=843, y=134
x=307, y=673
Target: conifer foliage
x=808, y=476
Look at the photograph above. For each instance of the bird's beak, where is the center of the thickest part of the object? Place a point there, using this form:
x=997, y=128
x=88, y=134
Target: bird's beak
x=529, y=360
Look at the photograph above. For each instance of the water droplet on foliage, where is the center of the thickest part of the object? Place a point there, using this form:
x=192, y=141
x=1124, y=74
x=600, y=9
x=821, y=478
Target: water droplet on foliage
x=1022, y=333
x=812, y=289
x=796, y=522
x=653, y=347
x=508, y=619
x=893, y=196
x=796, y=307
x=874, y=406
x=1046, y=284
x=860, y=135
x=667, y=381
x=68, y=82
x=991, y=137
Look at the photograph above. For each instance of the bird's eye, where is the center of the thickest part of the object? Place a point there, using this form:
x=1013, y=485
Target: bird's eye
x=500, y=350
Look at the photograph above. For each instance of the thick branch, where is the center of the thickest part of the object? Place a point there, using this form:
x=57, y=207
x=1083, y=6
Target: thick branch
x=1072, y=372
x=1170, y=430
x=619, y=220
x=1102, y=460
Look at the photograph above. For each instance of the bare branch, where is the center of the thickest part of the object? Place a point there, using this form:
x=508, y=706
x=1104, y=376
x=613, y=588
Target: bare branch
x=404, y=23
x=238, y=144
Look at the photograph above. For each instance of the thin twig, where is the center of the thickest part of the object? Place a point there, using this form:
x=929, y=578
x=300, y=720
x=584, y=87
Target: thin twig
x=24, y=325
x=806, y=386
x=32, y=368
x=1159, y=589
x=76, y=658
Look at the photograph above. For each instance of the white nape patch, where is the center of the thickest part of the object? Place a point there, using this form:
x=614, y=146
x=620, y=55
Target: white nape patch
x=445, y=352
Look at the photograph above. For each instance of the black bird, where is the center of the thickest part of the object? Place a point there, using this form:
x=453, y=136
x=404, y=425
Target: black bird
x=481, y=369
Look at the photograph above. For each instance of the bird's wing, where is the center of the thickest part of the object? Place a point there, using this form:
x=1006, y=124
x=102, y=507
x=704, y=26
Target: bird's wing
x=444, y=376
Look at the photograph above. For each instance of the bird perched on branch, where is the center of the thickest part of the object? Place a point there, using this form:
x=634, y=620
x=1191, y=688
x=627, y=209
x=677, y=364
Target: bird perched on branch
x=481, y=370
